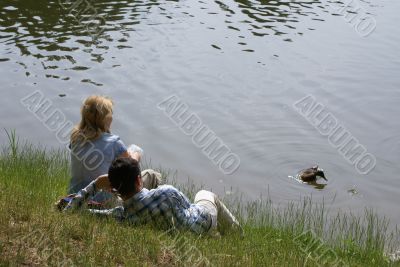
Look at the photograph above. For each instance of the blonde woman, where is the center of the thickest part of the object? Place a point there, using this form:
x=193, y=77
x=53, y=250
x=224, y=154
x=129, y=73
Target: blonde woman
x=94, y=147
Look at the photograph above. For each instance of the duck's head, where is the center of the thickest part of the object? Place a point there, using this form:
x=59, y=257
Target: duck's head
x=320, y=172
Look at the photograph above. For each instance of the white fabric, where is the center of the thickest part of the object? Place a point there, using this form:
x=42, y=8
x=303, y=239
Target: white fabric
x=222, y=219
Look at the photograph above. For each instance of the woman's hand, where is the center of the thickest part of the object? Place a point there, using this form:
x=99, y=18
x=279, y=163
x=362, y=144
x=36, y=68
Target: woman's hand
x=102, y=183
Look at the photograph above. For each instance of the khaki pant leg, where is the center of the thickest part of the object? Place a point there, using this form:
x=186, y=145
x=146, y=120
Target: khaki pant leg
x=226, y=220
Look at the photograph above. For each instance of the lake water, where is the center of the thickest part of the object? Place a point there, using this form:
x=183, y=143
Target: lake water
x=239, y=67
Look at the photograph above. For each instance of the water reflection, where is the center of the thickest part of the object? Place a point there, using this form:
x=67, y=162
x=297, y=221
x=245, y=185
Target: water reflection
x=54, y=31
x=318, y=184
x=274, y=17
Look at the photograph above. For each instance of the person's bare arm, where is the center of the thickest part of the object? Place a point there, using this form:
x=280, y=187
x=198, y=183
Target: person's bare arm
x=100, y=183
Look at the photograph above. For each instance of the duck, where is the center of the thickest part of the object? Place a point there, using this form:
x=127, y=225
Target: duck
x=311, y=174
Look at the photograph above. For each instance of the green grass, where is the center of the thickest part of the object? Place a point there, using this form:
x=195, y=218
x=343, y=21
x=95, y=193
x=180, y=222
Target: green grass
x=32, y=233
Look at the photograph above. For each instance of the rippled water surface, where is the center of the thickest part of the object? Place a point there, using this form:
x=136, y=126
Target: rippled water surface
x=239, y=66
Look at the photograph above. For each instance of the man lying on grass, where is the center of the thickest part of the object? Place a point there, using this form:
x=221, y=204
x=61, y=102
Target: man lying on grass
x=164, y=205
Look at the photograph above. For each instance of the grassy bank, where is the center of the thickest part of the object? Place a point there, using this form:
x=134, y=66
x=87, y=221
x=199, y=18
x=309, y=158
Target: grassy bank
x=34, y=234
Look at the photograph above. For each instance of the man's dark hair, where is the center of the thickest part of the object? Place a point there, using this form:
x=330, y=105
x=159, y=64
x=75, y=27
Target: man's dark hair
x=122, y=174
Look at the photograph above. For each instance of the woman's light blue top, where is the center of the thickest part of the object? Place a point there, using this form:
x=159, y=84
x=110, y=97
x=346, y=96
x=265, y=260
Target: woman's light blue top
x=93, y=158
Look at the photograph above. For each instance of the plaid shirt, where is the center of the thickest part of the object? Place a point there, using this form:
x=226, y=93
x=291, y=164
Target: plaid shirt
x=164, y=206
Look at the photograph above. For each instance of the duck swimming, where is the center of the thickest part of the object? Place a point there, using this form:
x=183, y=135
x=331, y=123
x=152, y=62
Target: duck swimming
x=311, y=174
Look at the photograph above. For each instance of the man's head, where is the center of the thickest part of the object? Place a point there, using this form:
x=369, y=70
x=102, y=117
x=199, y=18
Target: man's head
x=124, y=176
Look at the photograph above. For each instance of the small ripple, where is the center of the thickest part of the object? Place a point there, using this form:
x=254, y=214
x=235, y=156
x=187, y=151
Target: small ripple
x=79, y=68
x=91, y=82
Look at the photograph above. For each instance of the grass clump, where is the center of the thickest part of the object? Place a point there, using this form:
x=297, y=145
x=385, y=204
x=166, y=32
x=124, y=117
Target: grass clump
x=299, y=234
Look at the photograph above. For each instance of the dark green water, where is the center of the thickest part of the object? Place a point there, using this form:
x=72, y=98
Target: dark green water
x=239, y=66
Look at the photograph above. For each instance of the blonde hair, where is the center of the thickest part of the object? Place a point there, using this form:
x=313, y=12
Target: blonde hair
x=94, y=113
